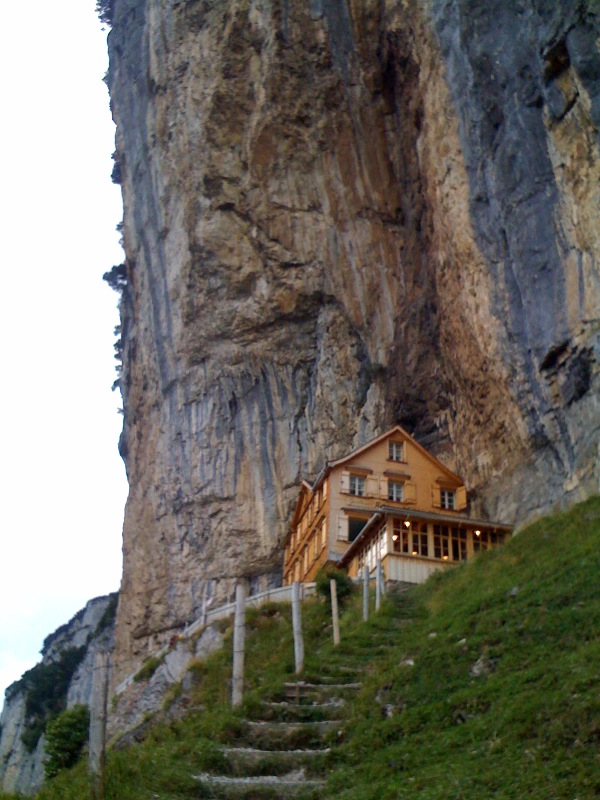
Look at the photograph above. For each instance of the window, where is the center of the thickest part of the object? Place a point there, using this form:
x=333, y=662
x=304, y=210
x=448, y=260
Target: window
x=459, y=544
x=355, y=526
x=395, y=491
x=480, y=541
x=382, y=536
x=400, y=537
x=357, y=485
x=419, y=540
x=447, y=499
x=396, y=451
x=441, y=542
x=323, y=533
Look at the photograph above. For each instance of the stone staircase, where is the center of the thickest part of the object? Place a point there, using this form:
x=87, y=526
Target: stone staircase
x=283, y=753
x=285, y=746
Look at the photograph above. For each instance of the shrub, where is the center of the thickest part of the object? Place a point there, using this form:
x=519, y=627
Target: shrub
x=148, y=668
x=45, y=687
x=116, y=277
x=110, y=613
x=65, y=738
x=344, y=584
x=105, y=10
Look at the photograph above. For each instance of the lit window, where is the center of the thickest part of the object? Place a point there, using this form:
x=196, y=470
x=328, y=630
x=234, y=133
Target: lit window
x=441, y=542
x=447, y=499
x=357, y=485
x=396, y=451
x=419, y=541
x=480, y=541
x=395, y=491
x=400, y=537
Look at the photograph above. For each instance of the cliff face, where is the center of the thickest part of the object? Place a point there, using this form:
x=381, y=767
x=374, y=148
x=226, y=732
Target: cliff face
x=90, y=631
x=339, y=215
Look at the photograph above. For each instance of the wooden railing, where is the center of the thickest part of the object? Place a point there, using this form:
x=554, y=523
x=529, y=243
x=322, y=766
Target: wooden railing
x=281, y=594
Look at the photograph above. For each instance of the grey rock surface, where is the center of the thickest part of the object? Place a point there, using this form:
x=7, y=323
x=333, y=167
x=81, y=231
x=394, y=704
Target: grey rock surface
x=143, y=698
x=338, y=216
x=23, y=772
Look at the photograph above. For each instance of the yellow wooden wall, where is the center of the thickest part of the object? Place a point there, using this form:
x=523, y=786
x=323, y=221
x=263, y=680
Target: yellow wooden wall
x=424, y=474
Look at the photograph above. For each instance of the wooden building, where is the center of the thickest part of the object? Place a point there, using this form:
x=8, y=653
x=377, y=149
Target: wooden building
x=389, y=498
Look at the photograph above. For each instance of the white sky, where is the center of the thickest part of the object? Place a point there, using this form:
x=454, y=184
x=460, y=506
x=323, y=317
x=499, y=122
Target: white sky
x=62, y=482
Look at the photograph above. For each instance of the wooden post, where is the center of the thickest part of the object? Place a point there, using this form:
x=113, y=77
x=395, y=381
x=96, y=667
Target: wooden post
x=297, y=628
x=382, y=578
x=239, y=637
x=334, y=612
x=378, y=584
x=98, y=712
x=366, y=592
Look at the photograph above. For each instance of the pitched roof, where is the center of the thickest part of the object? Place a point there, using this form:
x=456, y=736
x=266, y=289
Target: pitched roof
x=405, y=435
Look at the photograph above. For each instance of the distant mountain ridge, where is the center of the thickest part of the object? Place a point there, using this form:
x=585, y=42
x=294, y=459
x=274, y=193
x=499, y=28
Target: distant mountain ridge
x=62, y=679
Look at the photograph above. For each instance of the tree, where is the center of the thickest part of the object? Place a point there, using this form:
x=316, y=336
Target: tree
x=105, y=10
x=65, y=738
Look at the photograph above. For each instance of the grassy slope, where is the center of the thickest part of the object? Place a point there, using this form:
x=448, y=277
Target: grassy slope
x=529, y=727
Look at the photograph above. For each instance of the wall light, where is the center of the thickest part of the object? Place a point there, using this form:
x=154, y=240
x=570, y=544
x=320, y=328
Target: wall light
x=477, y=533
x=407, y=523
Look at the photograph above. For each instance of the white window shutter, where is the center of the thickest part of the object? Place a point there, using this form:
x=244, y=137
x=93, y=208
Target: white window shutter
x=460, y=499
x=345, y=482
x=372, y=486
x=383, y=489
x=342, y=528
x=410, y=492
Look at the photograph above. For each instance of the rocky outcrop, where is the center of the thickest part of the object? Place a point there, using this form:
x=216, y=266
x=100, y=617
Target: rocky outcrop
x=144, y=697
x=90, y=631
x=339, y=215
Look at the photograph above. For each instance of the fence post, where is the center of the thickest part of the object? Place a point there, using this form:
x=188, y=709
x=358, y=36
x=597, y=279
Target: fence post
x=297, y=628
x=378, y=584
x=334, y=612
x=366, y=592
x=98, y=711
x=239, y=637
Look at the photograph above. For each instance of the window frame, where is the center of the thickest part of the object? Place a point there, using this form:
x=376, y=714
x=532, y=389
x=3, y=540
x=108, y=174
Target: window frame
x=393, y=445
x=392, y=486
x=354, y=483
x=448, y=499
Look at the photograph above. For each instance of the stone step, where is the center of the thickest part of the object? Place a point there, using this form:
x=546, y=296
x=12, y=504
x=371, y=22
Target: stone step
x=273, y=787
x=286, y=735
x=307, y=691
x=248, y=761
x=286, y=711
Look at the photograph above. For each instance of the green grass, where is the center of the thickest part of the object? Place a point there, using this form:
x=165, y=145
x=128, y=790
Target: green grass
x=528, y=727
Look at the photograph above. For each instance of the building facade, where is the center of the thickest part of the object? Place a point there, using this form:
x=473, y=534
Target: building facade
x=389, y=499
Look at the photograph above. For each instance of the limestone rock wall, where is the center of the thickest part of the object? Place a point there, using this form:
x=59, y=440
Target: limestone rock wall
x=93, y=628
x=340, y=214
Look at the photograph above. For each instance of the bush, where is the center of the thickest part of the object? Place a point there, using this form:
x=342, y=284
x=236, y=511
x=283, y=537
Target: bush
x=105, y=10
x=344, y=584
x=45, y=687
x=65, y=738
x=148, y=668
x=116, y=277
